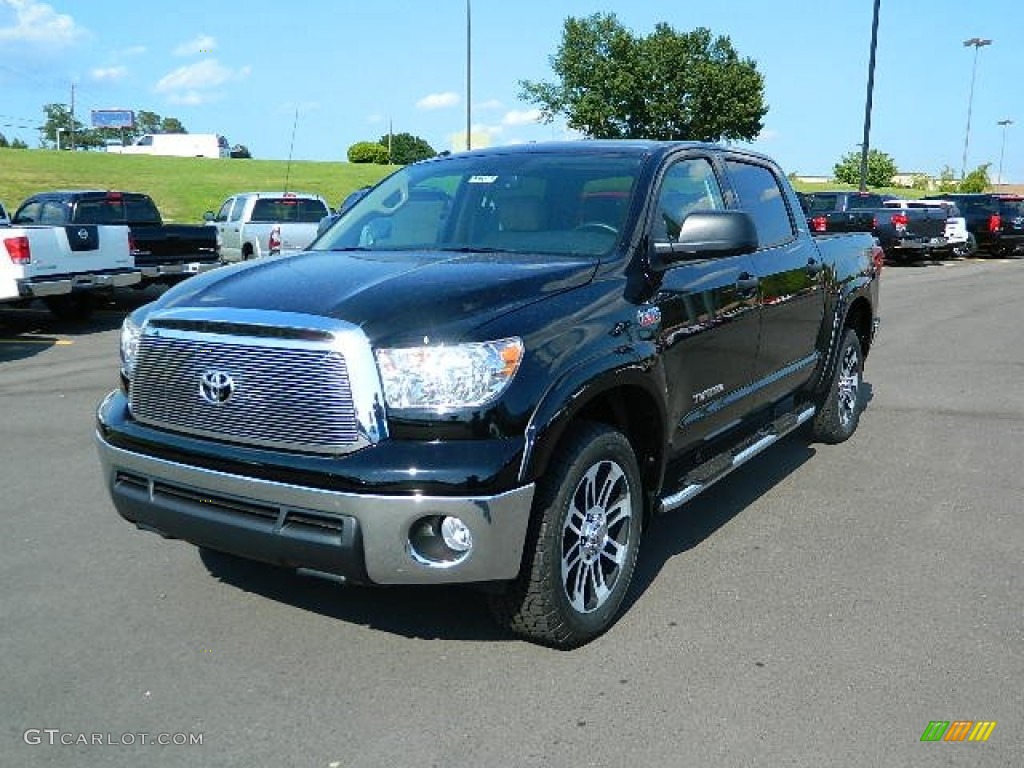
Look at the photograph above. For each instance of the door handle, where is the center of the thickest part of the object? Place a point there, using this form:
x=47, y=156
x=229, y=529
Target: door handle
x=747, y=285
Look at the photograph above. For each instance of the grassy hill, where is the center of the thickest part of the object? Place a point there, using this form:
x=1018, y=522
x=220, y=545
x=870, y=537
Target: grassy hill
x=183, y=187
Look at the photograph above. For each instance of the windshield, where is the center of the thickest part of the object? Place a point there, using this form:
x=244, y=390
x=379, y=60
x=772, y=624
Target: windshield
x=561, y=203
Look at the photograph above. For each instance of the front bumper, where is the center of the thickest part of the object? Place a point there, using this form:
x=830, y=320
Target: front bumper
x=359, y=536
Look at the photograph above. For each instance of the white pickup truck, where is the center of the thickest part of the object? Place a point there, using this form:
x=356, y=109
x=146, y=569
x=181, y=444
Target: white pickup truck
x=64, y=266
x=960, y=241
x=254, y=224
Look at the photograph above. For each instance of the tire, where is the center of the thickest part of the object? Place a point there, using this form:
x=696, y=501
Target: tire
x=582, y=544
x=839, y=410
x=75, y=307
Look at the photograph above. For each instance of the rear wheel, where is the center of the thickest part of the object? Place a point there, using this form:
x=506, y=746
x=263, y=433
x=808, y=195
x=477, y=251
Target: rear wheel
x=839, y=410
x=582, y=547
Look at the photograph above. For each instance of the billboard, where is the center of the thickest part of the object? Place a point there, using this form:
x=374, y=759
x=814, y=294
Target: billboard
x=113, y=118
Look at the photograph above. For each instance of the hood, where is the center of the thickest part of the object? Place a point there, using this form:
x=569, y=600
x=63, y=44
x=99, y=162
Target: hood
x=396, y=297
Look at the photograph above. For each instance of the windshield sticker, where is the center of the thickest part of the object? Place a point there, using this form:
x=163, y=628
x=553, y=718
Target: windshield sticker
x=482, y=179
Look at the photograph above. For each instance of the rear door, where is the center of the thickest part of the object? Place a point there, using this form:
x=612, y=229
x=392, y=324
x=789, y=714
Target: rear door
x=790, y=271
x=708, y=310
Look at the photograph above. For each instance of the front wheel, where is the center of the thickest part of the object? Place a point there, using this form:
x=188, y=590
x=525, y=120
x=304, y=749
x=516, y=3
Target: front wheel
x=583, y=541
x=839, y=409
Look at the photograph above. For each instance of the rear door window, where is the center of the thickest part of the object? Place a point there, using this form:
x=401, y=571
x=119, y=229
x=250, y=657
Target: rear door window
x=761, y=196
x=288, y=209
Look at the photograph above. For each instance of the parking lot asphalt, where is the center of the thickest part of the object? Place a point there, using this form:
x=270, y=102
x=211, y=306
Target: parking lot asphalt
x=820, y=607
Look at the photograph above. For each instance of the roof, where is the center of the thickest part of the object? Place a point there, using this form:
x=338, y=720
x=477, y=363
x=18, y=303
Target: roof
x=597, y=146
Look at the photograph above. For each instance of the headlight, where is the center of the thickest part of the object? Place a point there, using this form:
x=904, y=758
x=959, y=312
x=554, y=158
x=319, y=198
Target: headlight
x=131, y=333
x=459, y=376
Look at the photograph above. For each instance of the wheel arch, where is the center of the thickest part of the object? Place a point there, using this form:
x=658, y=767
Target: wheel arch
x=626, y=400
x=859, y=318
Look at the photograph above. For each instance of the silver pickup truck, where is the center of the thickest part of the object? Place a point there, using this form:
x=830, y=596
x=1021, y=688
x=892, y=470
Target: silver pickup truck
x=254, y=224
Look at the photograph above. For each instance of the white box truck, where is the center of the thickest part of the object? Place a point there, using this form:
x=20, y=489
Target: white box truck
x=176, y=145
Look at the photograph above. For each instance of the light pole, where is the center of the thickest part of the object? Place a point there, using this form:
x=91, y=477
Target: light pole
x=1002, y=147
x=976, y=43
x=867, y=102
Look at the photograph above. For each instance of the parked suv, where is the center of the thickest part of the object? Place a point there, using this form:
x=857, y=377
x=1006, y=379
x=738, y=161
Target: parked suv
x=995, y=220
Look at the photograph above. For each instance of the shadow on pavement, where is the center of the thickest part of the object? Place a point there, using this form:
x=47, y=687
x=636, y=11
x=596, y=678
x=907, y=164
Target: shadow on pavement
x=427, y=613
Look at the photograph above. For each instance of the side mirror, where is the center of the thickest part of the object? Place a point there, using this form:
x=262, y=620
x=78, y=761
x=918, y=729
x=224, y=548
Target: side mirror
x=209, y=216
x=707, y=235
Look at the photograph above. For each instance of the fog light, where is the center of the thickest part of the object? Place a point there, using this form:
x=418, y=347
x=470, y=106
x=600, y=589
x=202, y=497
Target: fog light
x=456, y=534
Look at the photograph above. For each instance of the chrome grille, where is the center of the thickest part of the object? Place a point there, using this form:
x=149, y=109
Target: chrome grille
x=283, y=397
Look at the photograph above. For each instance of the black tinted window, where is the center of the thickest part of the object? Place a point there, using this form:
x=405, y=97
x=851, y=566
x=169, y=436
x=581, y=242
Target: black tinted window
x=864, y=201
x=290, y=209
x=819, y=203
x=761, y=196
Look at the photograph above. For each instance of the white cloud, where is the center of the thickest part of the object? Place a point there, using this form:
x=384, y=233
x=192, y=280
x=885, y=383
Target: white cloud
x=198, y=83
x=192, y=98
x=438, y=100
x=108, y=73
x=37, y=23
x=521, y=117
x=135, y=50
x=768, y=135
x=490, y=104
x=199, y=44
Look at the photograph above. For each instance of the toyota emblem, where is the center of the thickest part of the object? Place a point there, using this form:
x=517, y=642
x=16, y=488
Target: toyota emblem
x=216, y=387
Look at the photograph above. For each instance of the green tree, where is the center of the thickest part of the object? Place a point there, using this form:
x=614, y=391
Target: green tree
x=406, y=148
x=146, y=122
x=947, y=180
x=881, y=169
x=367, y=152
x=18, y=144
x=977, y=180
x=172, y=125
x=4, y=143
x=668, y=85
x=59, y=116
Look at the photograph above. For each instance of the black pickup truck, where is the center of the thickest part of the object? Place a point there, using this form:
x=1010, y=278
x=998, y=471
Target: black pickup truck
x=904, y=234
x=496, y=368
x=164, y=253
x=995, y=220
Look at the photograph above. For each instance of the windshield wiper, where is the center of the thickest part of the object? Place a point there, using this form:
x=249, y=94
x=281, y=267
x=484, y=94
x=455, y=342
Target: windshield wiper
x=471, y=249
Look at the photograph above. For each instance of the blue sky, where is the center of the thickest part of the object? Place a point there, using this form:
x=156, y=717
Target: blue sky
x=349, y=68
